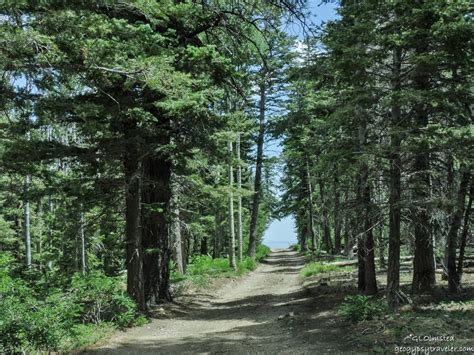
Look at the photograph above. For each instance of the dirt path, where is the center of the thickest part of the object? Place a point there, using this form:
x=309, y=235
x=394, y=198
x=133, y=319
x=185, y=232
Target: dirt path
x=243, y=317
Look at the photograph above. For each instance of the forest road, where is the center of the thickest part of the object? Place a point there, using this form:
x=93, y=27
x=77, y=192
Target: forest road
x=264, y=312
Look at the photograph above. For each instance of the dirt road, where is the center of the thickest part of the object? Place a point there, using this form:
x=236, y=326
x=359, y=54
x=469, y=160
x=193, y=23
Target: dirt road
x=265, y=312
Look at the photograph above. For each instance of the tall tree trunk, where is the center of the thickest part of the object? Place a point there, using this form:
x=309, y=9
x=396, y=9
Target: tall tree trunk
x=325, y=217
x=367, y=281
x=258, y=173
x=450, y=196
x=337, y=216
x=452, y=239
x=381, y=245
x=133, y=237
x=50, y=232
x=216, y=252
x=465, y=231
x=239, y=198
x=83, y=241
x=176, y=236
x=311, y=231
x=393, y=270
x=423, y=262
x=156, y=196
x=231, y=211
x=26, y=217
x=304, y=239
x=369, y=269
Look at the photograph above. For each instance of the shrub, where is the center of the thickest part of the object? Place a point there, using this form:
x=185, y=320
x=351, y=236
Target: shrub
x=102, y=298
x=359, y=308
x=205, y=265
x=295, y=247
x=27, y=323
x=262, y=252
x=317, y=268
x=247, y=264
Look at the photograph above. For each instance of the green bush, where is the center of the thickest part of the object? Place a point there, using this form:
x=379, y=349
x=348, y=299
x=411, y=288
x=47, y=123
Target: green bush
x=27, y=323
x=55, y=319
x=102, y=298
x=206, y=265
x=359, y=308
x=318, y=268
x=295, y=247
x=247, y=264
x=262, y=252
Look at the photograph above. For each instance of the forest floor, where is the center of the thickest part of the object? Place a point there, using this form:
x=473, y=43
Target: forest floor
x=267, y=311
x=272, y=311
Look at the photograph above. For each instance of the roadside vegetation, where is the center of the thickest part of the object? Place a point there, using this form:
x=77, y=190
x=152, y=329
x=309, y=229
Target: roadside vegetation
x=58, y=314
x=316, y=268
x=203, y=269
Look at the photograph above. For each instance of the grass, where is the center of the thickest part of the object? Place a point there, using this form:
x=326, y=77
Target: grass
x=317, y=268
x=453, y=319
x=204, y=268
x=86, y=335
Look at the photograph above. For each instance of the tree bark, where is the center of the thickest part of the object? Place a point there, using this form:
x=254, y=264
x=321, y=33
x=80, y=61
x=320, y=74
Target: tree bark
x=393, y=270
x=337, y=214
x=133, y=237
x=310, y=227
x=239, y=198
x=26, y=216
x=424, y=262
x=216, y=252
x=83, y=241
x=452, y=238
x=176, y=235
x=325, y=218
x=369, y=269
x=156, y=244
x=465, y=232
x=258, y=174
x=367, y=281
x=232, y=262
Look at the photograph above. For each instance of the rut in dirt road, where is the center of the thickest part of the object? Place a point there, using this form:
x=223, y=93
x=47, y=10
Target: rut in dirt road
x=266, y=311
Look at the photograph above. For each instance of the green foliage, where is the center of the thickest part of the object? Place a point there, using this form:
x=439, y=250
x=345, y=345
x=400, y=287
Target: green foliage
x=262, y=252
x=102, y=298
x=30, y=322
x=360, y=308
x=203, y=268
x=295, y=247
x=319, y=268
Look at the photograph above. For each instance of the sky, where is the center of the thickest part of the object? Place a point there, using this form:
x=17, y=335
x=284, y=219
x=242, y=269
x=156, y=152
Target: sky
x=281, y=233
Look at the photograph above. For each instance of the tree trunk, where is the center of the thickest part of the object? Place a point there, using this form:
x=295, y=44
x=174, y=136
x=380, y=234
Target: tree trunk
x=216, y=252
x=465, y=232
x=155, y=230
x=424, y=262
x=337, y=214
x=369, y=269
x=258, y=174
x=133, y=237
x=26, y=217
x=367, y=281
x=176, y=236
x=304, y=239
x=311, y=231
x=393, y=270
x=239, y=198
x=325, y=218
x=83, y=241
x=361, y=263
x=231, y=211
x=452, y=239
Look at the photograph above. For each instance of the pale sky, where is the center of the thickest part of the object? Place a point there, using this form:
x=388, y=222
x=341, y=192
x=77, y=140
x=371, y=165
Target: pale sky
x=281, y=233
